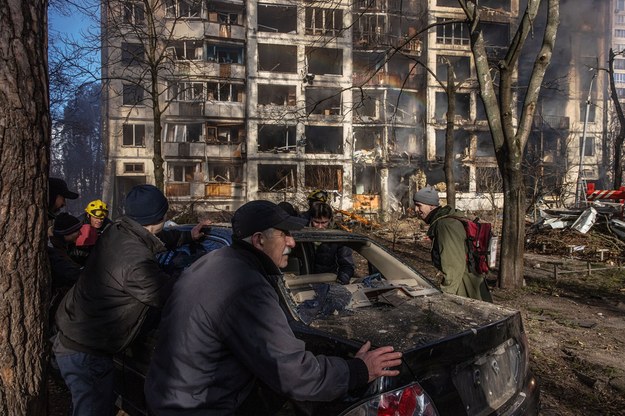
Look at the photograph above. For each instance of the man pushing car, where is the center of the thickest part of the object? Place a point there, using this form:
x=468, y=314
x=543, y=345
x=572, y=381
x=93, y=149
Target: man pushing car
x=224, y=337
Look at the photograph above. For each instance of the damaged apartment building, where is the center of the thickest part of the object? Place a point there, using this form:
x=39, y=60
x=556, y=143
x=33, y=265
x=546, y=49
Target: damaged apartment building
x=273, y=99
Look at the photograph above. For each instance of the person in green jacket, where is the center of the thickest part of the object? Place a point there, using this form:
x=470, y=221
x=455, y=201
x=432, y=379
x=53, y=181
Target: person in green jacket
x=449, y=250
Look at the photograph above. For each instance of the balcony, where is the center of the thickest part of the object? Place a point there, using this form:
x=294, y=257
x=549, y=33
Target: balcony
x=554, y=122
x=210, y=69
x=224, y=190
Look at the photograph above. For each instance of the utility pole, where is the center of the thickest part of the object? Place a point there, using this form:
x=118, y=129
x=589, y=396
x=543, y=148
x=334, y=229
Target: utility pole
x=580, y=191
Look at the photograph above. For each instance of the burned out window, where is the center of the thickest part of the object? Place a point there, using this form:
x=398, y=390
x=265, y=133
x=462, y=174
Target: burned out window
x=277, y=58
x=496, y=34
x=324, y=22
x=462, y=143
x=326, y=101
x=404, y=141
x=367, y=104
x=281, y=95
x=485, y=147
x=276, y=138
x=480, y=110
x=583, y=107
x=323, y=177
x=460, y=64
x=192, y=50
x=184, y=132
x=133, y=135
x=322, y=61
x=132, y=94
x=277, y=18
x=229, y=134
x=324, y=139
x=451, y=33
x=224, y=91
x=463, y=105
x=133, y=13
x=371, y=29
x=225, y=54
x=132, y=54
x=402, y=106
x=368, y=138
x=183, y=8
x=366, y=180
x=181, y=172
x=277, y=178
x=224, y=172
x=187, y=91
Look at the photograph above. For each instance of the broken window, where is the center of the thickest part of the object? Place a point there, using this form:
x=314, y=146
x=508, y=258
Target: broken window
x=225, y=91
x=485, y=146
x=276, y=178
x=325, y=22
x=451, y=33
x=366, y=180
x=323, y=177
x=192, y=50
x=277, y=58
x=224, y=172
x=132, y=54
x=134, y=168
x=282, y=95
x=181, y=172
x=480, y=111
x=226, y=134
x=324, y=61
x=277, y=18
x=324, y=139
x=133, y=135
x=463, y=105
x=133, y=13
x=132, y=94
x=276, y=138
x=583, y=107
x=225, y=54
x=496, y=38
x=460, y=64
x=462, y=144
x=326, y=101
x=488, y=180
x=503, y=5
x=183, y=8
x=401, y=106
x=367, y=104
x=368, y=138
x=187, y=91
x=405, y=142
x=369, y=29
x=180, y=133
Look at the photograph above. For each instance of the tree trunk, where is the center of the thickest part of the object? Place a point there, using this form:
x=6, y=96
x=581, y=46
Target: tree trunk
x=513, y=234
x=24, y=160
x=620, y=138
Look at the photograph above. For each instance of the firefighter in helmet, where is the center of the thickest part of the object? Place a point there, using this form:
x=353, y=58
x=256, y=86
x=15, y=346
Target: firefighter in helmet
x=95, y=220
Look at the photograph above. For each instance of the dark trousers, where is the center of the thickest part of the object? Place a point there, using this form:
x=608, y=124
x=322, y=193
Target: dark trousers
x=90, y=380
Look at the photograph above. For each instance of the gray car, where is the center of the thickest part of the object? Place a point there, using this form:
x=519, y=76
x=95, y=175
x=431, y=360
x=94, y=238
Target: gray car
x=460, y=356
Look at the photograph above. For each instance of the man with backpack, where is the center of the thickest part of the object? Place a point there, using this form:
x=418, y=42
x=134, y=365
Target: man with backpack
x=449, y=246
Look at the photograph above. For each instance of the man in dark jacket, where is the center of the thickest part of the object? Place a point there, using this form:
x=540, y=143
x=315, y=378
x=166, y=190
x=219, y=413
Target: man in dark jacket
x=449, y=249
x=330, y=257
x=104, y=310
x=223, y=328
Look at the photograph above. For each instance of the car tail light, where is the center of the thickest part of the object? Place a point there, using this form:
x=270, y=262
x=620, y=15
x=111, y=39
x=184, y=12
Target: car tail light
x=411, y=400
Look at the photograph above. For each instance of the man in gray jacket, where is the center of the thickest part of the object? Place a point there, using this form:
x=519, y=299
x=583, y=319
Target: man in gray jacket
x=223, y=329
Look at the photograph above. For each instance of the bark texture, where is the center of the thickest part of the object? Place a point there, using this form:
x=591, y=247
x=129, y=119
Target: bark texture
x=24, y=157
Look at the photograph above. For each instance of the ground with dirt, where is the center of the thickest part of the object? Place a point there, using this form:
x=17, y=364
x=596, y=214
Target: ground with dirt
x=575, y=322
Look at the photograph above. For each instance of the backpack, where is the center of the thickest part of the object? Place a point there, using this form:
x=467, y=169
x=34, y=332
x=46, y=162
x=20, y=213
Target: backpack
x=481, y=246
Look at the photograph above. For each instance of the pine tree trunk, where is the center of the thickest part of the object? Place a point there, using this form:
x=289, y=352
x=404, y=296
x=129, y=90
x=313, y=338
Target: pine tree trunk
x=24, y=159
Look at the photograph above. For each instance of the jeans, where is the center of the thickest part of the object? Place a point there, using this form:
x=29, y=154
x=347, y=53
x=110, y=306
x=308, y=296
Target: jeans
x=90, y=379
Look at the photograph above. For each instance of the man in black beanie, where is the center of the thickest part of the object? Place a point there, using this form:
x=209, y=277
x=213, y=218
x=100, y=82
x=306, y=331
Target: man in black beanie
x=449, y=250
x=103, y=312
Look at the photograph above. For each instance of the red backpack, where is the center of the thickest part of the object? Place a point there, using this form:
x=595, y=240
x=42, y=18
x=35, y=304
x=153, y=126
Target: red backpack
x=481, y=247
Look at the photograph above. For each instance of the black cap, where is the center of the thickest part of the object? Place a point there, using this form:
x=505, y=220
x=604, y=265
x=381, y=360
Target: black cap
x=146, y=204
x=258, y=216
x=58, y=186
x=65, y=224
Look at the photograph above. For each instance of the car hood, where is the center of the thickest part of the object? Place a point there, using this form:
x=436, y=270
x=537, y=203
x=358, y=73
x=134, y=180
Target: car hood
x=414, y=323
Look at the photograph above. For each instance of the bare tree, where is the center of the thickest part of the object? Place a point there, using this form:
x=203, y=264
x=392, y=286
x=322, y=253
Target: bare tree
x=24, y=140
x=620, y=136
x=510, y=138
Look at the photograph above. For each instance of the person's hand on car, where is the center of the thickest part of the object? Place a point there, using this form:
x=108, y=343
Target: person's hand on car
x=196, y=232
x=379, y=361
